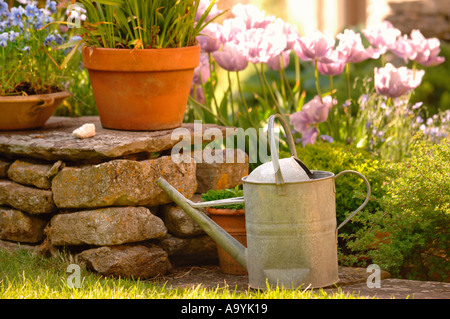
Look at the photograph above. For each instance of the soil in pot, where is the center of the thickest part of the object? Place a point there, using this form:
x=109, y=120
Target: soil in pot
x=27, y=89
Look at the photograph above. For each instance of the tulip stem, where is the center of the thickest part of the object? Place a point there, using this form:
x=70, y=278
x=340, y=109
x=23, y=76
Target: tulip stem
x=261, y=83
x=414, y=67
x=231, y=97
x=297, y=74
x=207, y=109
x=331, y=85
x=349, y=111
x=291, y=93
x=349, y=86
x=243, y=100
x=319, y=91
x=211, y=71
x=282, y=80
x=270, y=90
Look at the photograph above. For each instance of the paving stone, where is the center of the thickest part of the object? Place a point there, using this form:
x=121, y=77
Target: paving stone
x=55, y=141
x=353, y=281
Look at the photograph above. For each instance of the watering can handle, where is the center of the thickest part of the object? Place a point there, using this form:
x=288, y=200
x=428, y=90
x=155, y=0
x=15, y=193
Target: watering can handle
x=273, y=147
x=363, y=204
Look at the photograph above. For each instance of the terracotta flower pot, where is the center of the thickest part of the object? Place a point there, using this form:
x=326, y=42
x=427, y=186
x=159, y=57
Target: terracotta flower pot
x=233, y=222
x=28, y=112
x=141, y=90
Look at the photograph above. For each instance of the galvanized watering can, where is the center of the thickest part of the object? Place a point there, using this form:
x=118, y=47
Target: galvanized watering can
x=290, y=216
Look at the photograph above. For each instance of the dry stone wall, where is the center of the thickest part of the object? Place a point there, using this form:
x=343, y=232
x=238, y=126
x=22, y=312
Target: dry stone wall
x=102, y=200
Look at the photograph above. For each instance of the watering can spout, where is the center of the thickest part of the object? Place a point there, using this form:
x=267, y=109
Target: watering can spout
x=220, y=236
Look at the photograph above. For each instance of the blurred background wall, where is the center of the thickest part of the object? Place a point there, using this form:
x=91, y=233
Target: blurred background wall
x=431, y=16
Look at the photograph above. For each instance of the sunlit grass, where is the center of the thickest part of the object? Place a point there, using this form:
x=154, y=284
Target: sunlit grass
x=25, y=276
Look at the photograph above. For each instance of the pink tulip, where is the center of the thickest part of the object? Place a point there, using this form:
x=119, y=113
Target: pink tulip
x=210, y=38
x=352, y=50
x=261, y=45
x=393, y=82
x=286, y=30
x=232, y=27
x=382, y=36
x=334, y=68
x=202, y=72
x=198, y=94
x=252, y=16
x=314, y=112
x=316, y=46
x=418, y=48
x=275, y=62
x=404, y=49
x=231, y=57
x=427, y=49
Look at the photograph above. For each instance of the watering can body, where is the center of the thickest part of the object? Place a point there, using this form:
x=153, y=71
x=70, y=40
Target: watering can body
x=290, y=218
x=292, y=242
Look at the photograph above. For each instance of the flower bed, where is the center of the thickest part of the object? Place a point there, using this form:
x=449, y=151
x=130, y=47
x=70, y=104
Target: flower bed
x=381, y=118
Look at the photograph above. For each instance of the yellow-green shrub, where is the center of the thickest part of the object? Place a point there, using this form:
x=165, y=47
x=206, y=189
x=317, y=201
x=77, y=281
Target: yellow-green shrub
x=410, y=234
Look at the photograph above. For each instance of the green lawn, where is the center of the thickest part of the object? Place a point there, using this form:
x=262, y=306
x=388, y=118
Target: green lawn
x=25, y=276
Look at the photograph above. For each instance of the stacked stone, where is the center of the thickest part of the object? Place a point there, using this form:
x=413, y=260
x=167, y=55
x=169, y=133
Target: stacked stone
x=26, y=200
x=100, y=196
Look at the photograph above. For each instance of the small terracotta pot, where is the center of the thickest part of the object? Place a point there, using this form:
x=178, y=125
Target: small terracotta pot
x=141, y=90
x=233, y=222
x=28, y=112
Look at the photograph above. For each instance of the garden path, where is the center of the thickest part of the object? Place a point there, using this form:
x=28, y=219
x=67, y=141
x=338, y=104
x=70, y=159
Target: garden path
x=352, y=281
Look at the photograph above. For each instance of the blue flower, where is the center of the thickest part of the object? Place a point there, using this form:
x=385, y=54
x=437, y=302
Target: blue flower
x=3, y=26
x=75, y=38
x=327, y=138
x=49, y=39
x=3, y=8
x=4, y=37
x=31, y=11
x=13, y=35
x=16, y=16
x=59, y=39
x=51, y=6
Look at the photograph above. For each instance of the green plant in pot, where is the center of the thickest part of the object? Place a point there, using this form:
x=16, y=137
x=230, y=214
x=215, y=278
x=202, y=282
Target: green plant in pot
x=232, y=219
x=141, y=56
x=31, y=80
